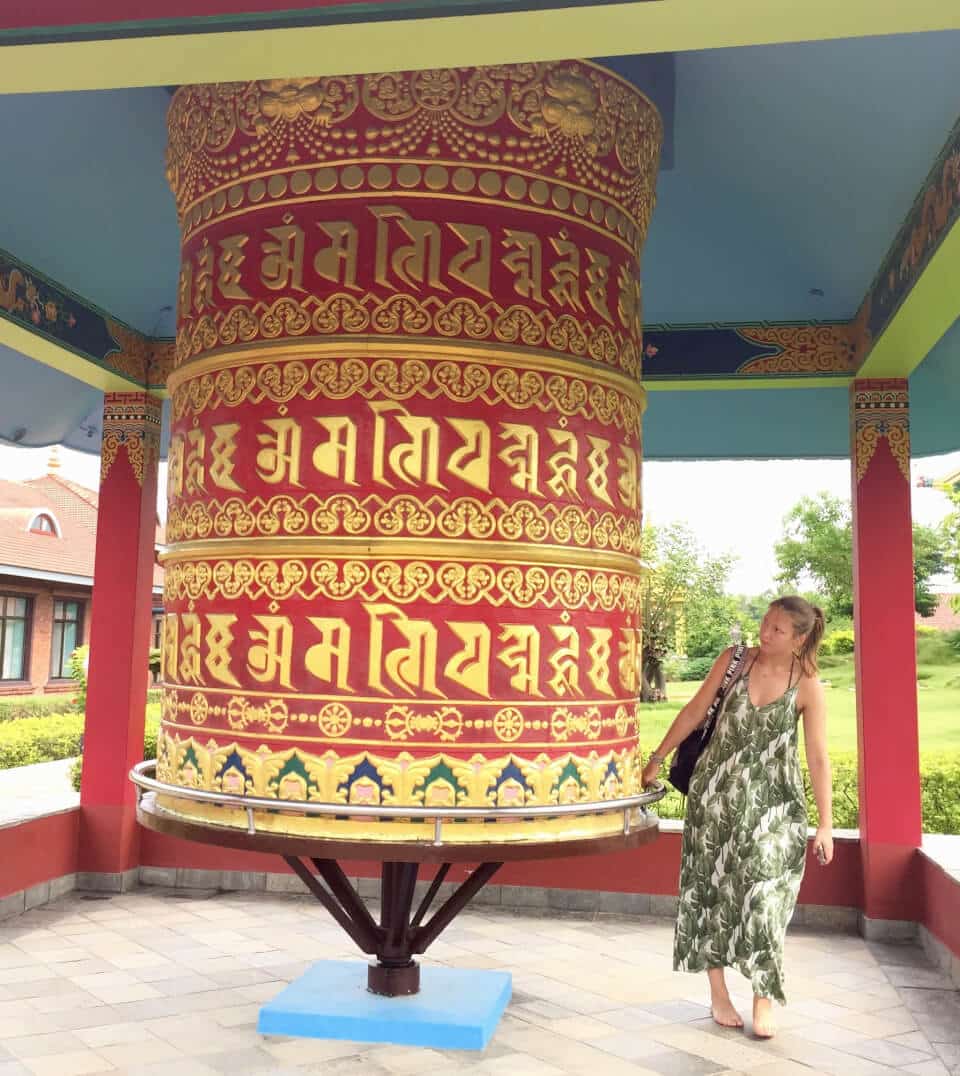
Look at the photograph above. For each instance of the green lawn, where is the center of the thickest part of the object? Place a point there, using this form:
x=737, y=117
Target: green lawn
x=938, y=694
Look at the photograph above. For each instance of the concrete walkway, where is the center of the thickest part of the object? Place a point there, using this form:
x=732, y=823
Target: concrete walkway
x=168, y=983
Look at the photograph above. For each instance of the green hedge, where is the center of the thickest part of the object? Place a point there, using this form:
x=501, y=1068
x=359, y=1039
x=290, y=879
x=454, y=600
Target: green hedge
x=39, y=739
x=149, y=750
x=939, y=783
x=17, y=707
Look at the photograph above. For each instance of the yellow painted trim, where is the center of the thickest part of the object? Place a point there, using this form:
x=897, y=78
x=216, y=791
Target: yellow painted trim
x=746, y=381
x=420, y=548
x=930, y=308
x=509, y=37
x=34, y=346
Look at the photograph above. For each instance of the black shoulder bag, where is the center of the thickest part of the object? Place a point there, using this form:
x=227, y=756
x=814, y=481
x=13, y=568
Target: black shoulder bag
x=686, y=755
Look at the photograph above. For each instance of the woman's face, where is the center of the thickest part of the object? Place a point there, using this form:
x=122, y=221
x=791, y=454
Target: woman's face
x=777, y=634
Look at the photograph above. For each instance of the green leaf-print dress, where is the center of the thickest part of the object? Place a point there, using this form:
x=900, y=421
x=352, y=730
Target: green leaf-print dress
x=744, y=843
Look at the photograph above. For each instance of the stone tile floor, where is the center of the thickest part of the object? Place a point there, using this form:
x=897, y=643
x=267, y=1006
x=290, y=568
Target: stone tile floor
x=169, y=982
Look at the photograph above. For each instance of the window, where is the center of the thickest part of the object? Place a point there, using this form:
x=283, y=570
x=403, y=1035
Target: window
x=44, y=524
x=67, y=636
x=14, y=633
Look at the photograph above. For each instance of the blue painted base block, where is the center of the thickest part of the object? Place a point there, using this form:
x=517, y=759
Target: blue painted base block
x=456, y=1009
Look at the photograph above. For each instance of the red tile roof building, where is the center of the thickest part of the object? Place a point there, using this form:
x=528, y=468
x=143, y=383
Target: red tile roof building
x=48, y=529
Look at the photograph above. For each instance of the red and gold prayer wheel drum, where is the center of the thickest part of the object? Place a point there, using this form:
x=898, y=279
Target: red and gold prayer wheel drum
x=404, y=473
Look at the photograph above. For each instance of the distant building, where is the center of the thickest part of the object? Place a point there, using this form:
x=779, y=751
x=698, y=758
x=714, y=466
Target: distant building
x=48, y=529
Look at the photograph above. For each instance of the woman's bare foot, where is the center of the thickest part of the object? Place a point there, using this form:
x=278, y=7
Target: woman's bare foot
x=724, y=1014
x=721, y=1007
x=764, y=1025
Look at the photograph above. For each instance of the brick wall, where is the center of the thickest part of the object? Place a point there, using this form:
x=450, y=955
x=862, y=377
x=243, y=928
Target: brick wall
x=37, y=680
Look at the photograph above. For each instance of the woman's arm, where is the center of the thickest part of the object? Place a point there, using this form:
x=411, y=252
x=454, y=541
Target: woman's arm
x=689, y=717
x=818, y=763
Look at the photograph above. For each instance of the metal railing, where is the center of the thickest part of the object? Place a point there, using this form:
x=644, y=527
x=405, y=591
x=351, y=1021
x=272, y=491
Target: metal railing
x=438, y=815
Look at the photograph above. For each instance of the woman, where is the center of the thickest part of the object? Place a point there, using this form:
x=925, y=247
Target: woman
x=745, y=834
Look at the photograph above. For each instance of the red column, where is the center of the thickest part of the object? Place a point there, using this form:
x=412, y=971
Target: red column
x=890, y=825
x=120, y=630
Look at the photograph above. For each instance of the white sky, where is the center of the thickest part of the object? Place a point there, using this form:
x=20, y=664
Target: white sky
x=732, y=506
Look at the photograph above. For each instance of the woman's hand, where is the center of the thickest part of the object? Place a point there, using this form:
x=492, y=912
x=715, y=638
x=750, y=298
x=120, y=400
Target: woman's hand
x=650, y=772
x=822, y=845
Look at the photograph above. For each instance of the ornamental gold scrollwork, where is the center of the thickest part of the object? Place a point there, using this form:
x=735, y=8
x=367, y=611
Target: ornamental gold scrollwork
x=131, y=421
x=805, y=349
x=281, y=382
x=570, y=120
x=347, y=315
x=881, y=410
x=405, y=516
x=348, y=578
x=401, y=780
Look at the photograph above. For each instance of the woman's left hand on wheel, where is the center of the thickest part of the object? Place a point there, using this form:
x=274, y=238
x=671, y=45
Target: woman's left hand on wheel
x=823, y=846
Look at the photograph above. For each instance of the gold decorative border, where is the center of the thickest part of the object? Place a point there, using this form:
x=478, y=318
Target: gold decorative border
x=344, y=578
x=352, y=722
x=433, y=320
x=525, y=382
x=405, y=516
x=440, y=779
x=573, y=120
x=806, y=349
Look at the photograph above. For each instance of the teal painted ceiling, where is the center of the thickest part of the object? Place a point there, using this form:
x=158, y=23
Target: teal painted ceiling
x=792, y=168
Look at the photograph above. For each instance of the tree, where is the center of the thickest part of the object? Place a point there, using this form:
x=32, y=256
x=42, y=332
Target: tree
x=817, y=547
x=951, y=537
x=681, y=580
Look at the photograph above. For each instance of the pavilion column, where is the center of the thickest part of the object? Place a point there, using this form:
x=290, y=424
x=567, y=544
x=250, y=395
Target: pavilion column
x=890, y=824
x=120, y=630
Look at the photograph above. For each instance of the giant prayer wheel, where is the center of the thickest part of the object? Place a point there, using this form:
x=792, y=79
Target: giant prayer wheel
x=404, y=472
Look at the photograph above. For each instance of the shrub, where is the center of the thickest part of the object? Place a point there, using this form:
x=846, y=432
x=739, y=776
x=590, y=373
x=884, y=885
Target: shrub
x=149, y=748
x=839, y=642
x=40, y=739
x=696, y=669
x=952, y=639
x=78, y=670
x=933, y=648
x=939, y=787
x=20, y=706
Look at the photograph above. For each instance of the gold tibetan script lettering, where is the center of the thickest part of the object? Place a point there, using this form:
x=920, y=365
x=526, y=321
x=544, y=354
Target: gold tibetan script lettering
x=337, y=456
x=471, y=461
x=522, y=455
x=269, y=656
x=415, y=263
x=228, y=266
x=219, y=639
x=525, y=261
x=598, y=274
x=190, y=649
x=203, y=279
x=598, y=461
x=222, y=451
x=565, y=661
x=470, y=667
x=599, y=653
x=523, y=656
x=171, y=646
x=279, y=459
x=628, y=483
x=282, y=263
x=193, y=477
x=566, y=274
x=175, y=467
x=338, y=262
x=471, y=266
x=629, y=664
x=411, y=668
x=562, y=465
x=329, y=660
x=185, y=291
x=413, y=461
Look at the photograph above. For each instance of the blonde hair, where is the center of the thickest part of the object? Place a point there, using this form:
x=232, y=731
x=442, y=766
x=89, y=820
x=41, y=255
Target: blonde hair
x=807, y=620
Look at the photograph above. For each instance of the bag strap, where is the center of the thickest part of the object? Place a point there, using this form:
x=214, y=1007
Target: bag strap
x=736, y=662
